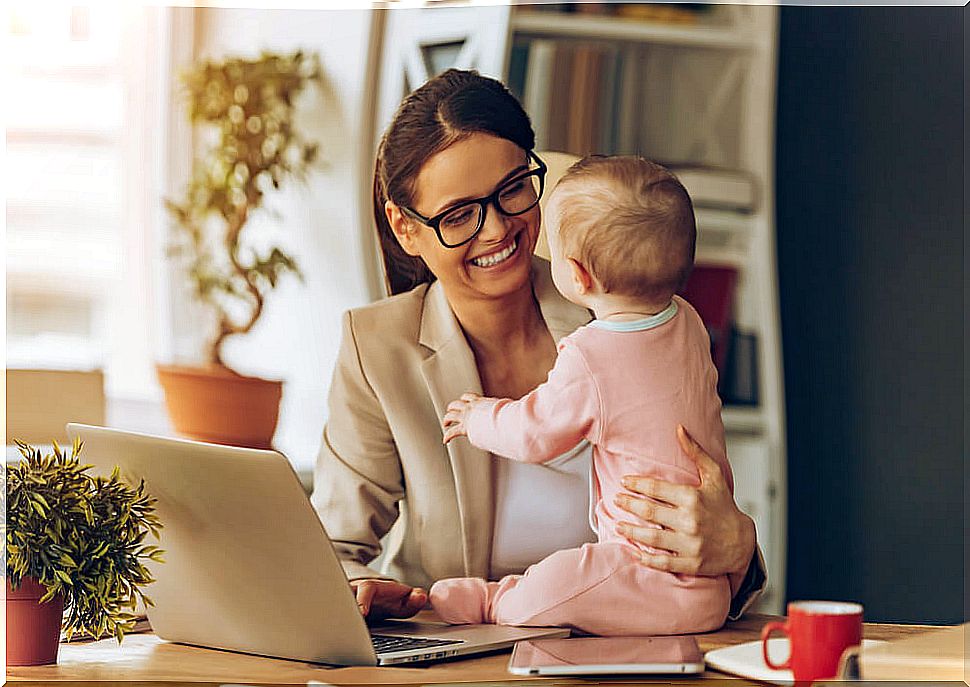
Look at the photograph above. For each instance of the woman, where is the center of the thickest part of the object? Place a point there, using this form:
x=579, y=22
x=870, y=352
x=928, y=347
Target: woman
x=456, y=190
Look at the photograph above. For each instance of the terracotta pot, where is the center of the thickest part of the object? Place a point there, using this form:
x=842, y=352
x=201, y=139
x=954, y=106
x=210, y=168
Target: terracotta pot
x=33, y=628
x=217, y=405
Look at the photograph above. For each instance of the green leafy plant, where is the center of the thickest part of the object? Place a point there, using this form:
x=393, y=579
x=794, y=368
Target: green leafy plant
x=82, y=536
x=247, y=106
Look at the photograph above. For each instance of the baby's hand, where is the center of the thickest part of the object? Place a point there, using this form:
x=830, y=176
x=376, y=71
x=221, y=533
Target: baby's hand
x=454, y=420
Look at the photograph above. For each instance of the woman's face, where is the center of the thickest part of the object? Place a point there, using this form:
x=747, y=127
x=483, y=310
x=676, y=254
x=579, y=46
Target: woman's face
x=497, y=262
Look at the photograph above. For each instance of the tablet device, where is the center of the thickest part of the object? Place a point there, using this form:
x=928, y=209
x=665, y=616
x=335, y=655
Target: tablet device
x=608, y=656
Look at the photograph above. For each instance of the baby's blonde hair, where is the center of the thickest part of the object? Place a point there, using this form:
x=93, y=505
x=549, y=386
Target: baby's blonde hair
x=630, y=222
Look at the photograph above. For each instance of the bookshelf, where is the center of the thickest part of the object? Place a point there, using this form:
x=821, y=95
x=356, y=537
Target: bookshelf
x=696, y=89
x=698, y=92
x=561, y=25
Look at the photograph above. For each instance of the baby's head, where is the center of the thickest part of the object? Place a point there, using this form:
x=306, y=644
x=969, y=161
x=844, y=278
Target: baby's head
x=628, y=224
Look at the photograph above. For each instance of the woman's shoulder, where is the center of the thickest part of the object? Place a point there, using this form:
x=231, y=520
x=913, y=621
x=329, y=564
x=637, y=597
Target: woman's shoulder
x=395, y=316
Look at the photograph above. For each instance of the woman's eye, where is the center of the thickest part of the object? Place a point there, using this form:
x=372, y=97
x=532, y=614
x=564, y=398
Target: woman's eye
x=458, y=218
x=513, y=190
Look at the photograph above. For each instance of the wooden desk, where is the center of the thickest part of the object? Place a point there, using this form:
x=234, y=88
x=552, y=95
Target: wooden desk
x=145, y=658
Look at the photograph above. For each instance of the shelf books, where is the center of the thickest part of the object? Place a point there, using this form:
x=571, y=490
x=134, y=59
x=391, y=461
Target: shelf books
x=662, y=12
x=574, y=94
x=618, y=97
x=536, y=94
x=739, y=383
x=710, y=290
x=717, y=187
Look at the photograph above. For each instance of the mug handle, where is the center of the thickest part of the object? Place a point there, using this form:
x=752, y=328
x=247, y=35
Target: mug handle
x=765, y=633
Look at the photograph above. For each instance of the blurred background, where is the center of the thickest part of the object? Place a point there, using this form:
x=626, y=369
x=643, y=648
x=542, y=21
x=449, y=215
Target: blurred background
x=823, y=146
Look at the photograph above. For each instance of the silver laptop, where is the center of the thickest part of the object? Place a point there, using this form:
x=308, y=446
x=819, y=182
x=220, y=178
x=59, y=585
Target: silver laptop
x=248, y=566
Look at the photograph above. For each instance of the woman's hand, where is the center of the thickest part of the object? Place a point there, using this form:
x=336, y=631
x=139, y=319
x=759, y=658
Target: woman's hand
x=704, y=532
x=453, y=422
x=380, y=599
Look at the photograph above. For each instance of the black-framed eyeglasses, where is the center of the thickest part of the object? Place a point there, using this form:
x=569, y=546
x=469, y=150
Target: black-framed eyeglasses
x=458, y=225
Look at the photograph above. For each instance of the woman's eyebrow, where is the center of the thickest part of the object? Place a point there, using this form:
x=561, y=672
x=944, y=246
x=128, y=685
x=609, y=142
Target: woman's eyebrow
x=464, y=199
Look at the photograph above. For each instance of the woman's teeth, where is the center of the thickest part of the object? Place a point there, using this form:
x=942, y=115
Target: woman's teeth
x=496, y=258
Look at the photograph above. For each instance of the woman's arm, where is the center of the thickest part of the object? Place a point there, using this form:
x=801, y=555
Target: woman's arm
x=703, y=530
x=357, y=483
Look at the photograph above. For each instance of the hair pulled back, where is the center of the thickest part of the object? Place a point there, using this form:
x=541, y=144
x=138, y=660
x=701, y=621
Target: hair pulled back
x=446, y=109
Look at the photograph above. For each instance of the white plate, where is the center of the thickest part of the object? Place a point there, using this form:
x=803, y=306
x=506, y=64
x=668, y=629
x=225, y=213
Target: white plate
x=745, y=660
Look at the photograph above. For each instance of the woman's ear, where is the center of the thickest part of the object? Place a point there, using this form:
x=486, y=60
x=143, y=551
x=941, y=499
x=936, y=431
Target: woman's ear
x=582, y=279
x=401, y=228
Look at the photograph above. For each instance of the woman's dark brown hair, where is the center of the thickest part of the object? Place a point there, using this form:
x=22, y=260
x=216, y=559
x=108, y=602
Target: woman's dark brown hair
x=444, y=110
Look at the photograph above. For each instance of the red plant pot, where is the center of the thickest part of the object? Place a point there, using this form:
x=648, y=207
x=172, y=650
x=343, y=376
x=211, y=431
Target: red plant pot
x=216, y=405
x=33, y=628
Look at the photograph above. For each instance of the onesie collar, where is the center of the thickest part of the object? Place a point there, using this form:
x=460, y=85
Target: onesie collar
x=640, y=325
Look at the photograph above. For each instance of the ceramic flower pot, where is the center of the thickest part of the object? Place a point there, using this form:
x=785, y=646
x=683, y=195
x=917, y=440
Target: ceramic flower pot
x=33, y=628
x=217, y=405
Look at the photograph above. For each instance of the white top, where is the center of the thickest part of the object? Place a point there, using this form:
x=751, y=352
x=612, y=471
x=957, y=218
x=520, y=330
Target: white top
x=540, y=509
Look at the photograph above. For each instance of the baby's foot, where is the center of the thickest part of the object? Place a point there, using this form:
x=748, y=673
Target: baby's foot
x=460, y=600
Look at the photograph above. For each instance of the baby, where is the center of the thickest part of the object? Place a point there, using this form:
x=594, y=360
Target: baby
x=621, y=234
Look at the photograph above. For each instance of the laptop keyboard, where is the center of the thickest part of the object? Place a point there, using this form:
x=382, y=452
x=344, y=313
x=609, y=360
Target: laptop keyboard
x=386, y=644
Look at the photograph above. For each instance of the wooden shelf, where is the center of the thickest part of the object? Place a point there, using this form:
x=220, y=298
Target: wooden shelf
x=743, y=419
x=592, y=27
x=722, y=237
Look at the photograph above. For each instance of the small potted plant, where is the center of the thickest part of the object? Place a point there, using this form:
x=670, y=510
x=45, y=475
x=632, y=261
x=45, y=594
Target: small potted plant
x=76, y=543
x=248, y=108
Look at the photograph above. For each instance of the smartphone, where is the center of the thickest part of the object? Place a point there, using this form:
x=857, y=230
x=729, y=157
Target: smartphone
x=608, y=656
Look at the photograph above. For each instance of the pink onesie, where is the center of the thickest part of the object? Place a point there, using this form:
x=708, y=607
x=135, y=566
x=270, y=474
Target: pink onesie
x=624, y=386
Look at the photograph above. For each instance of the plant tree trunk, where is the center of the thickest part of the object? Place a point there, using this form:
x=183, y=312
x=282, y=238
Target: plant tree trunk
x=227, y=327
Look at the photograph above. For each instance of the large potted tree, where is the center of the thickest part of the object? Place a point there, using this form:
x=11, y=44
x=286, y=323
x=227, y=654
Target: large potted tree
x=246, y=107
x=76, y=543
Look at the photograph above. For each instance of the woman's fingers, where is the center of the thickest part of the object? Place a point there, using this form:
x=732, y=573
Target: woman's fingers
x=651, y=511
x=674, y=494
x=654, y=537
x=378, y=599
x=675, y=564
x=455, y=407
x=365, y=595
x=416, y=600
x=400, y=601
x=675, y=552
x=706, y=467
x=648, y=536
x=468, y=396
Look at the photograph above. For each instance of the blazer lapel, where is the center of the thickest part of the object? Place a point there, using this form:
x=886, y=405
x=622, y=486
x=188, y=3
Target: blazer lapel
x=449, y=372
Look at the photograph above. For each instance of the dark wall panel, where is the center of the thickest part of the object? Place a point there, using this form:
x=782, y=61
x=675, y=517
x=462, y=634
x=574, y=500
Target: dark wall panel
x=871, y=228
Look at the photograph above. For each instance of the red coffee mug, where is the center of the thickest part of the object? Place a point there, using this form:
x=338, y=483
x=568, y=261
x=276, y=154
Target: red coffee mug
x=818, y=632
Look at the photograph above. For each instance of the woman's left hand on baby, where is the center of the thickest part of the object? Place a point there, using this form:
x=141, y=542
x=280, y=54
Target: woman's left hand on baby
x=701, y=529
x=454, y=419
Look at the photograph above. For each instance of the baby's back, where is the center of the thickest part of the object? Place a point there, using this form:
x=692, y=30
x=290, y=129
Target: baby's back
x=649, y=381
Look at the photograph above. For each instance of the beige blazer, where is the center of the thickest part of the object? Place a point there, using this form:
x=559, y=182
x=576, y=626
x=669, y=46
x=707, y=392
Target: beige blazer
x=401, y=361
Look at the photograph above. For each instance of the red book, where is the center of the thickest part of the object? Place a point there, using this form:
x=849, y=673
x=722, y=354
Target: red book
x=710, y=290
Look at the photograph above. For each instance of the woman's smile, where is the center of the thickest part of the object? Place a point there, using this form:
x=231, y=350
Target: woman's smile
x=500, y=256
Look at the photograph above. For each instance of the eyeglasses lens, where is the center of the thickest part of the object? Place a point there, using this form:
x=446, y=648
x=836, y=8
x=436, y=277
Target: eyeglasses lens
x=460, y=224
x=514, y=198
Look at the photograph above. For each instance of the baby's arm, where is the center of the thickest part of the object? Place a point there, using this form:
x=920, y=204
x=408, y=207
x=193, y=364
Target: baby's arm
x=543, y=424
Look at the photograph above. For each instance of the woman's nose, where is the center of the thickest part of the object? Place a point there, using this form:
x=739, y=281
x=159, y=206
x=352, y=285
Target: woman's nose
x=495, y=226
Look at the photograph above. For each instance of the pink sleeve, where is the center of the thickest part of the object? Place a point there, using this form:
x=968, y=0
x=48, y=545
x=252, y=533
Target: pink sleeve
x=545, y=423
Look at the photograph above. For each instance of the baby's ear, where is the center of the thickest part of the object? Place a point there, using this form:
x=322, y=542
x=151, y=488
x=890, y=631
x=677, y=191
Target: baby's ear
x=401, y=227
x=582, y=279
